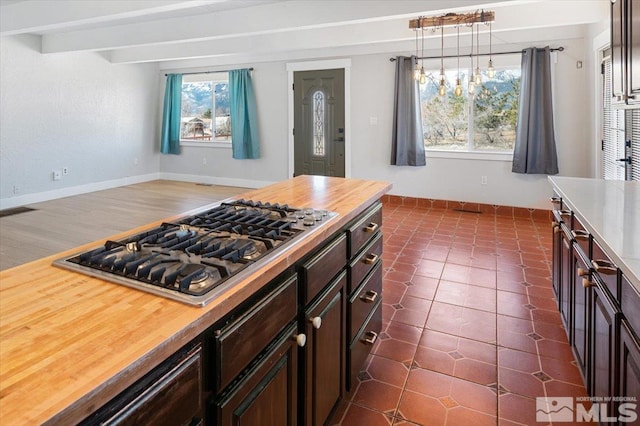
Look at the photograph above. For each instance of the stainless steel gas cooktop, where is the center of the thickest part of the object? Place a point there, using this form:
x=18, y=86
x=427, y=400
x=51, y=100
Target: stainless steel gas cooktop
x=190, y=259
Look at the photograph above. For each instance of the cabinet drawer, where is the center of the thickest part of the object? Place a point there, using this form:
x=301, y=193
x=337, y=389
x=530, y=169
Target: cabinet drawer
x=363, y=343
x=170, y=394
x=240, y=341
x=630, y=301
x=606, y=270
x=582, y=237
x=364, y=300
x=365, y=261
x=364, y=228
x=318, y=271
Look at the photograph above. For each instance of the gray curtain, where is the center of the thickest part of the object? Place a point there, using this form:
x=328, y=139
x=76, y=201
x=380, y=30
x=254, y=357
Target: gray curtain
x=407, y=144
x=535, y=147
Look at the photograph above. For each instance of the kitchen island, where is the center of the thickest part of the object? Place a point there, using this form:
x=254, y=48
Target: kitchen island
x=69, y=343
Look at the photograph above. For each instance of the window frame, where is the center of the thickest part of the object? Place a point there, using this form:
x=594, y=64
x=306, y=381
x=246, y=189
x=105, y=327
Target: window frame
x=506, y=62
x=214, y=78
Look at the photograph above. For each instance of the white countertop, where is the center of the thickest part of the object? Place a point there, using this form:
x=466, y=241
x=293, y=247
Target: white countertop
x=610, y=211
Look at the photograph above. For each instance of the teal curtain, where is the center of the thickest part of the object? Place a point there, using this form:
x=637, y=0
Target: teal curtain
x=170, y=142
x=244, y=118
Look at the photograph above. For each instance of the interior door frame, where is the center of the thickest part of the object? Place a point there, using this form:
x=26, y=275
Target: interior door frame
x=344, y=64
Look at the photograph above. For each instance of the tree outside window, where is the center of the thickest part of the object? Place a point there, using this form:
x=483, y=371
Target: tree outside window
x=485, y=121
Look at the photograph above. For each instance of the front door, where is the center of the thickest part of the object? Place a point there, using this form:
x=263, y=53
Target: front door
x=318, y=114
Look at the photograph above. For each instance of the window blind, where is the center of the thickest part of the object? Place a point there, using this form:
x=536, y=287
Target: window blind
x=635, y=144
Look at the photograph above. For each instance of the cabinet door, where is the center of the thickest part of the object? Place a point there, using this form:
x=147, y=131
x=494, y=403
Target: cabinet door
x=603, y=332
x=629, y=375
x=618, y=47
x=267, y=396
x=580, y=317
x=557, y=259
x=325, y=353
x=566, y=276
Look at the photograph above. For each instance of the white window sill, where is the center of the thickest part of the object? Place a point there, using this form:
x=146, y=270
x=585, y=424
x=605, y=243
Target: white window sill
x=207, y=144
x=470, y=155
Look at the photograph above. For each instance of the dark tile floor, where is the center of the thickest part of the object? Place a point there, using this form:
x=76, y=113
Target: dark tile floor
x=471, y=332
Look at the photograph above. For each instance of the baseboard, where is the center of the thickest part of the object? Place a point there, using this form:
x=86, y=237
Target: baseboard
x=468, y=207
x=38, y=197
x=215, y=180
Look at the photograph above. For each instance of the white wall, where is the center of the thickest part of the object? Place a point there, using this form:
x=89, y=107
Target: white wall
x=73, y=110
x=372, y=79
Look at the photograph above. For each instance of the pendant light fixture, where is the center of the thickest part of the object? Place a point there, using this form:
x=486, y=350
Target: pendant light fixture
x=442, y=90
x=458, y=90
x=491, y=72
x=423, y=76
x=471, y=88
x=478, y=75
x=416, y=70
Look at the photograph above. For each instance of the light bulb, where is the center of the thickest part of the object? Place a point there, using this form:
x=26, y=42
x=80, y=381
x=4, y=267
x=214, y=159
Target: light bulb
x=423, y=76
x=416, y=73
x=442, y=90
x=472, y=87
x=458, y=90
x=478, y=79
x=491, y=71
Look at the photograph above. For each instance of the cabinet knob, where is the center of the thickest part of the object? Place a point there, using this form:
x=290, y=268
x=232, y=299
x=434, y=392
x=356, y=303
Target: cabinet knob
x=370, y=259
x=301, y=339
x=370, y=296
x=371, y=227
x=604, y=267
x=316, y=322
x=583, y=272
x=370, y=337
x=586, y=283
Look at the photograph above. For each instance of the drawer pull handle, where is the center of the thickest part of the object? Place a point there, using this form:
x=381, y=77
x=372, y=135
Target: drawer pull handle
x=555, y=200
x=603, y=267
x=300, y=339
x=370, y=259
x=586, y=283
x=565, y=213
x=371, y=339
x=370, y=296
x=583, y=272
x=371, y=227
x=316, y=322
x=580, y=235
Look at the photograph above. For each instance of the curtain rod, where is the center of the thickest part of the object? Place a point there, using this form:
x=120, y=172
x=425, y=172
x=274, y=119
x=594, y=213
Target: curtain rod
x=559, y=49
x=207, y=72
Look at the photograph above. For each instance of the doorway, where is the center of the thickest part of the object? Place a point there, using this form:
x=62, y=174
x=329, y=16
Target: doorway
x=319, y=118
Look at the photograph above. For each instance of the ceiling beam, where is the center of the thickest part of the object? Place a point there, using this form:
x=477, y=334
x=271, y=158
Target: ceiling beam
x=263, y=19
x=36, y=16
x=508, y=19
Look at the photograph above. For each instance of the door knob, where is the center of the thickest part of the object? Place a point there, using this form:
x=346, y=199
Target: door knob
x=340, y=139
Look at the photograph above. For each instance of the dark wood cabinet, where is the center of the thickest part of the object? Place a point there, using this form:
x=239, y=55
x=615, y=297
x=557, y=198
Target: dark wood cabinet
x=605, y=317
x=324, y=354
x=170, y=394
x=267, y=396
x=625, y=51
x=629, y=375
x=566, y=279
x=580, y=315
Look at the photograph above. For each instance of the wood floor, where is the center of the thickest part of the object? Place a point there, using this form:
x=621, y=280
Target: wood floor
x=65, y=223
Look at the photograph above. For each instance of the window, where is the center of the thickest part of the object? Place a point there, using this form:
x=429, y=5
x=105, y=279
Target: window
x=205, y=109
x=484, y=122
x=318, y=124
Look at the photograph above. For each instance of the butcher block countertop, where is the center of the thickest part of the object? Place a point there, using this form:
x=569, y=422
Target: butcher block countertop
x=69, y=342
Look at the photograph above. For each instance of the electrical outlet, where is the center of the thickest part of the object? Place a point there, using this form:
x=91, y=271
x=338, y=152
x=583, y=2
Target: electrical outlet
x=135, y=161
x=65, y=171
x=483, y=180
x=57, y=175
x=204, y=161
x=16, y=189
